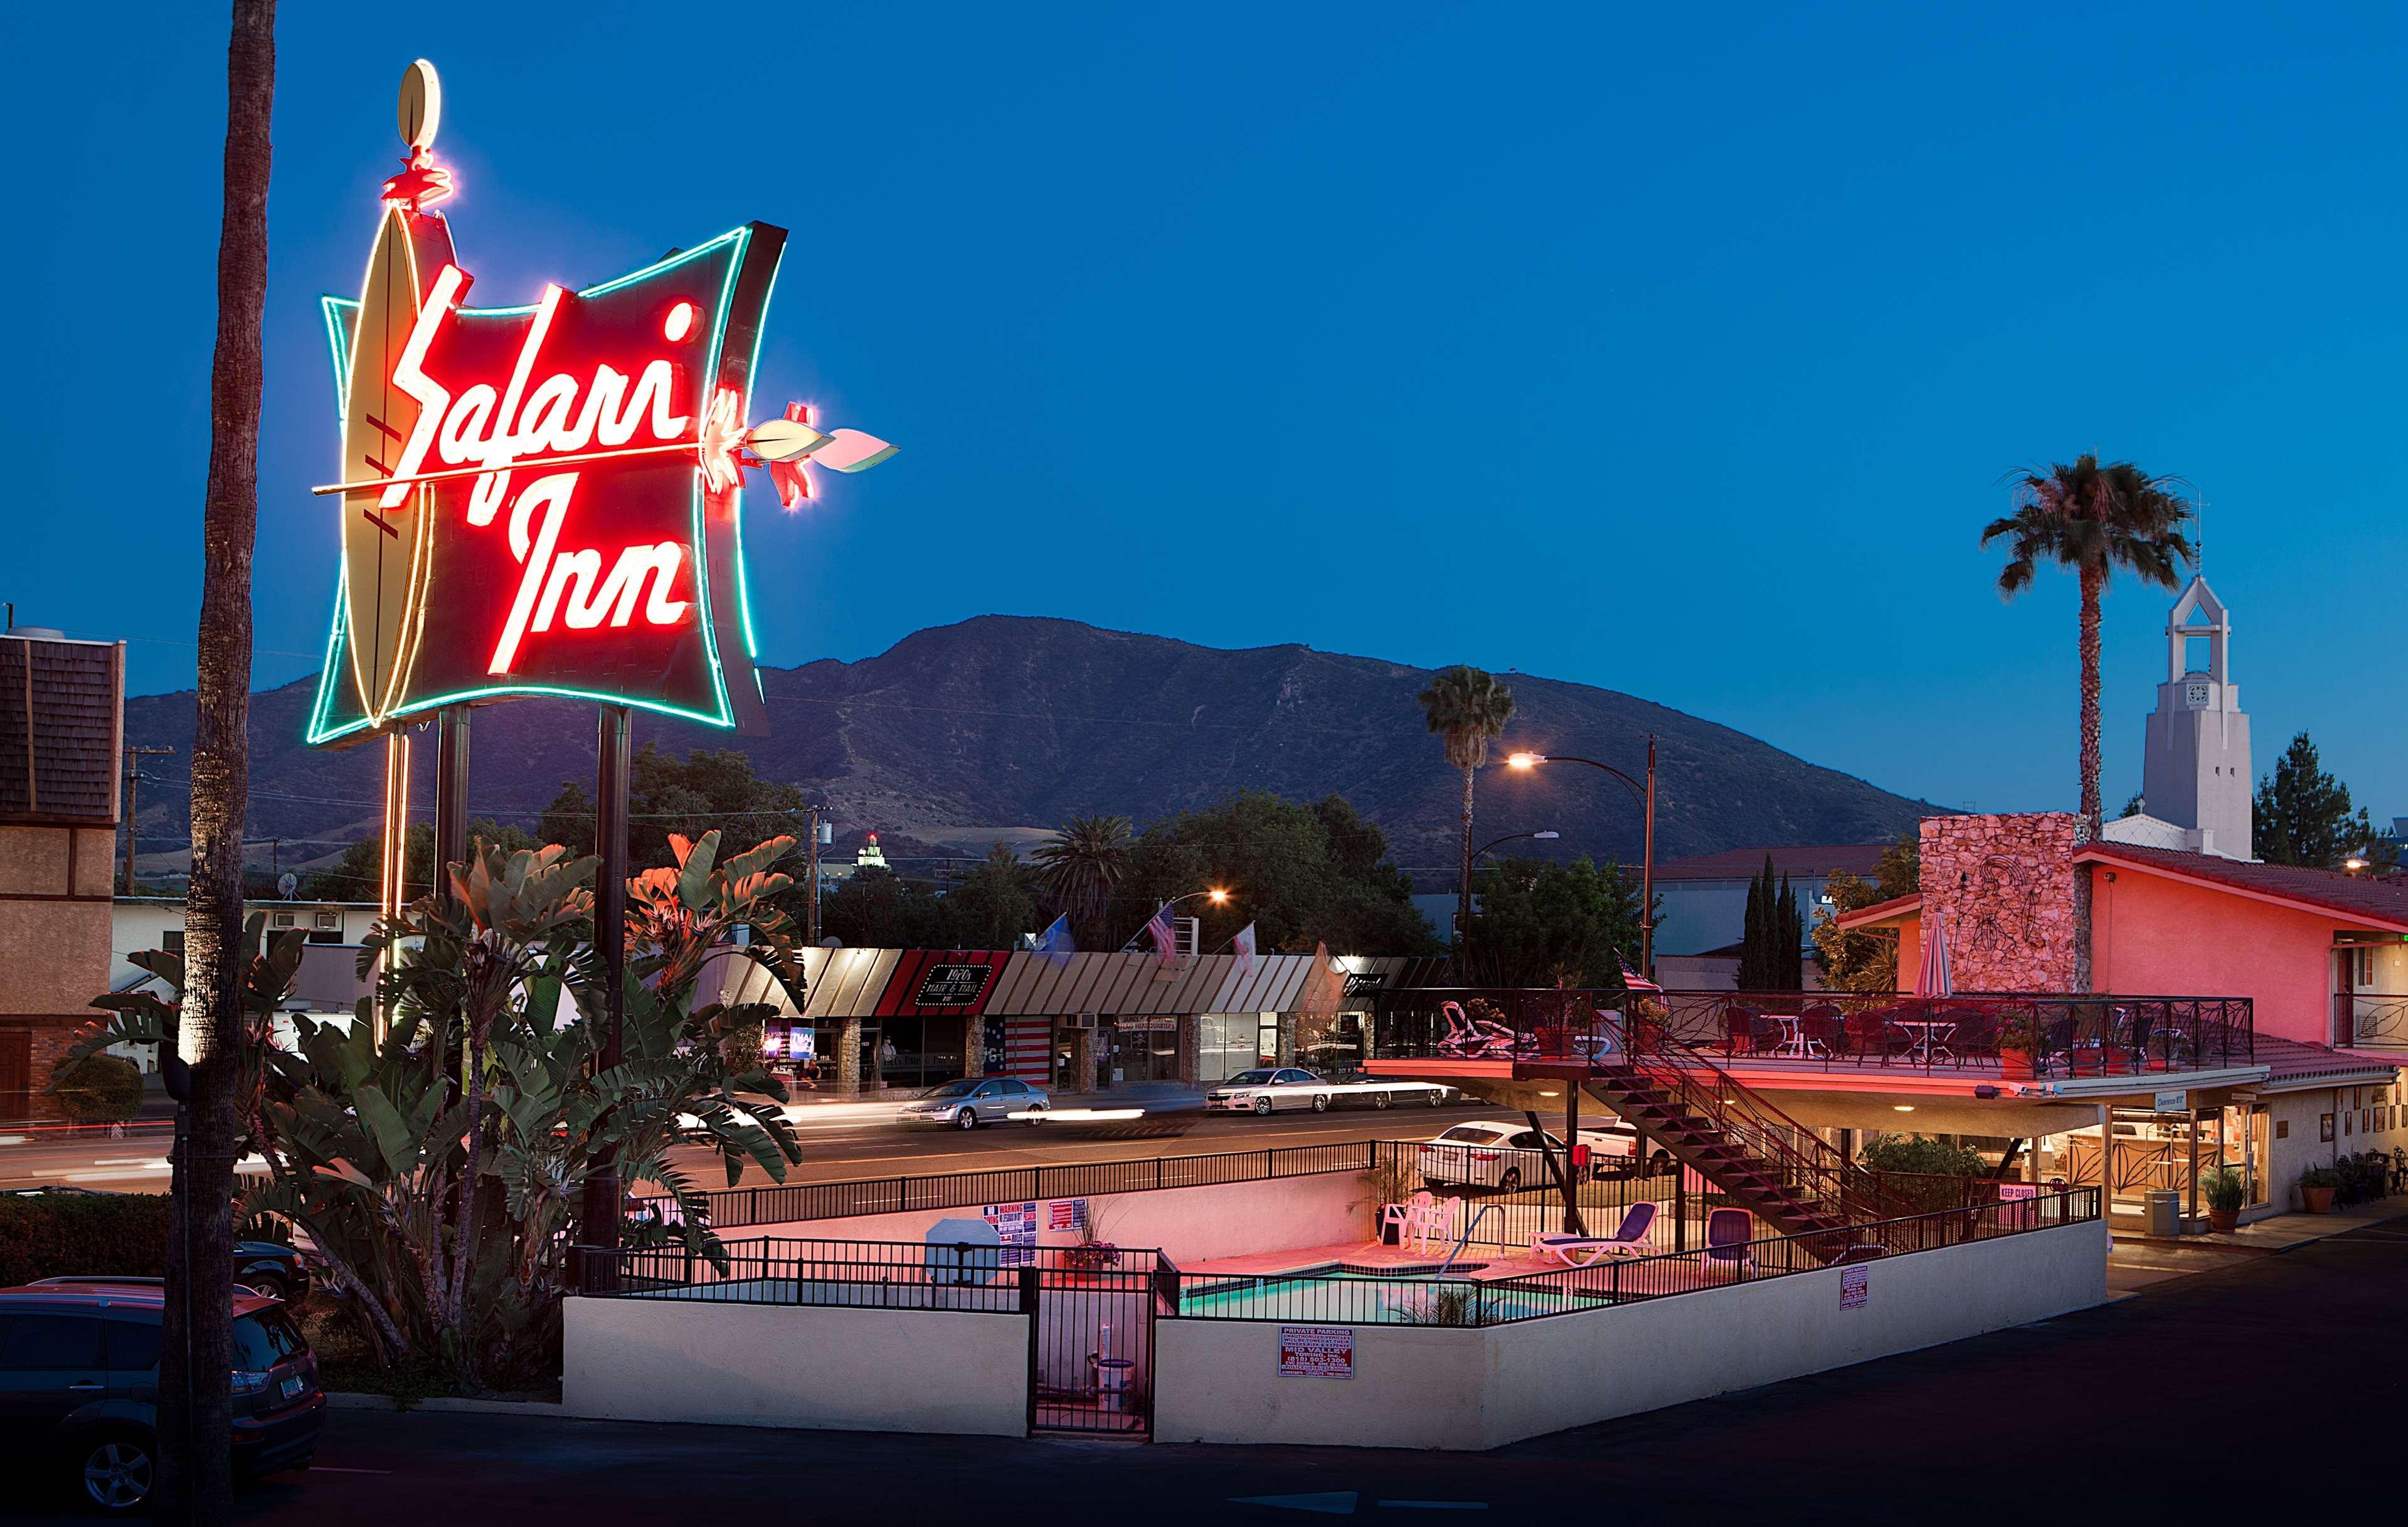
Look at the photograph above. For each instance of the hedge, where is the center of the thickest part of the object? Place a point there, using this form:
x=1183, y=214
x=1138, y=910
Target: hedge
x=100, y=1089
x=47, y=1235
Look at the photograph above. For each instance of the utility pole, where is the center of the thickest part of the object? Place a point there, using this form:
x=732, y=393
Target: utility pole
x=812, y=900
x=134, y=757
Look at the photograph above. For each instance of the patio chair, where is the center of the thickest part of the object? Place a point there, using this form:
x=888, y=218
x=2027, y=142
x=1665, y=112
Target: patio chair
x=1739, y=1028
x=1728, y=1232
x=1765, y=1035
x=2055, y=1046
x=1409, y=1217
x=1628, y=1240
x=1822, y=1029
x=1869, y=1034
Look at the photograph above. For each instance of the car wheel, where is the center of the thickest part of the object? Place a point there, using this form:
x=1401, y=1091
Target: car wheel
x=265, y=1285
x=1381, y=1099
x=1510, y=1181
x=1438, y=1097
x=1035, y=1109
x=966, y=1119
x=1321, y=1103
x=1262, y=1105
x=1660, y=1164
x=113, y=1472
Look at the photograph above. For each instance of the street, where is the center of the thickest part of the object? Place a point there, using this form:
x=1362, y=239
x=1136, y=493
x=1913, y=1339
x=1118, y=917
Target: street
x=846, y=1143
x=2211, y=1396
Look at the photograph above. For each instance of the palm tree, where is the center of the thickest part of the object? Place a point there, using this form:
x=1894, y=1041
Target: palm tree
x=1467, y=707
x=1082, y=867
x=195, y=1418
x=2092, y=519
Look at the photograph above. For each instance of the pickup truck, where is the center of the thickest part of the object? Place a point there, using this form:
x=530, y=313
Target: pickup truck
x=1275, y=1090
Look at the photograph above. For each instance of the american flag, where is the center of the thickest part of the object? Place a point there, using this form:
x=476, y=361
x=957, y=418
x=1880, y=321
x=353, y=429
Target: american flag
x=1632, y=979
x=1157, y=927
x=1244, y=944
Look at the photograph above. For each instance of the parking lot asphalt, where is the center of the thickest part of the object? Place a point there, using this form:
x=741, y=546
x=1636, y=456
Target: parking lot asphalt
x=2262, y=1387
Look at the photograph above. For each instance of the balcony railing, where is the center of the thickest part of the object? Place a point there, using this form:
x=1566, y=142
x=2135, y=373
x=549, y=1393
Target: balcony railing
x=2018, y=1035
x=2375, y=1018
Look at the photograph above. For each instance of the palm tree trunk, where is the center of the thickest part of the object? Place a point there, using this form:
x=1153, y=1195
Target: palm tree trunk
x=2094, y=581
x=194, y=1482
x=1463, y=886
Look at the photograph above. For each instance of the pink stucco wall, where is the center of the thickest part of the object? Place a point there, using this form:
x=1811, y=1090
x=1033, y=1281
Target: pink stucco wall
x=2154, y=936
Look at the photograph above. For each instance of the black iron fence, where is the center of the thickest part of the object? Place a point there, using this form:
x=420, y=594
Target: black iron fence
x=739, y=1208
x=2017, y=1035
x=1340, y=1294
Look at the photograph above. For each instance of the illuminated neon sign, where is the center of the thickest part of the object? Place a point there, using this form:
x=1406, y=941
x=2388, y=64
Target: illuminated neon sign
x=546, y=500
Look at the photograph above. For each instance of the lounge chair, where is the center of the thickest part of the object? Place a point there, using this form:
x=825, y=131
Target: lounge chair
x=1628, y=1240
x=1728, y=1232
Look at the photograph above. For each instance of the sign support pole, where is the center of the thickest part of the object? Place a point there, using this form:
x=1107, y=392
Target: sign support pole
x=602, y=1208
x=450, y=795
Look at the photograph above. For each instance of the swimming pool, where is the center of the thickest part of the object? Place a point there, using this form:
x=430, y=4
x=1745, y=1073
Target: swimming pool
x=1349, y=1295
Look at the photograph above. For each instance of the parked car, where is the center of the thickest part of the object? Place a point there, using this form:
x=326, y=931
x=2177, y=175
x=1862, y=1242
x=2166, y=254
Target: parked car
x=79, y=1369
x=1277, y=1088
x=974, y=1100
x=1492, y=1153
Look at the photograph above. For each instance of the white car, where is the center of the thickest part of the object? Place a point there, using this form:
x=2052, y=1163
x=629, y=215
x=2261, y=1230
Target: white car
x=974, y=1100
x=1271, y=1089
x=1491, y=1153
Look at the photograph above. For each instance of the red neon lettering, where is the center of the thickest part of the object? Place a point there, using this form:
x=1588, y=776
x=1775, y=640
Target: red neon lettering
x=549, y=577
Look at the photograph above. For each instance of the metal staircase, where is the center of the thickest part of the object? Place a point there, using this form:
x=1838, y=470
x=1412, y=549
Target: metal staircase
x=1715, y=1125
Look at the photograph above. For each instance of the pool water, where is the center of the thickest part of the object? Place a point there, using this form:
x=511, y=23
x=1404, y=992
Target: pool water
x=1336, y=1294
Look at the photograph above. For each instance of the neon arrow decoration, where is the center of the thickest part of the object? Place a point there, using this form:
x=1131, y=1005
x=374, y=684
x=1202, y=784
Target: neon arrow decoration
x=548, y=500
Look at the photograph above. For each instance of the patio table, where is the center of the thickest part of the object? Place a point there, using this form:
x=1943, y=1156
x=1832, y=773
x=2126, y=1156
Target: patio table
x=1931, y=1037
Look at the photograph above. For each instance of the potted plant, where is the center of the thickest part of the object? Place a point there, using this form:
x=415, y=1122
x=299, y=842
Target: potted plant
x=2225, y=1192
x=2317, y=1185
x=2018, y=1047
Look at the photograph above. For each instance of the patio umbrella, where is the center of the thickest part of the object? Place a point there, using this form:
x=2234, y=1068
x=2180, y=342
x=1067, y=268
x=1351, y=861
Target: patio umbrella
x=1931, y=979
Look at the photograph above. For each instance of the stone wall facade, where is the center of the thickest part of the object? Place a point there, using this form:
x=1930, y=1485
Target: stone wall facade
x=2004, y=884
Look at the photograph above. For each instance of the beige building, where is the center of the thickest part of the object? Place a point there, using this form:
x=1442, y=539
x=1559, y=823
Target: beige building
x=62, y=732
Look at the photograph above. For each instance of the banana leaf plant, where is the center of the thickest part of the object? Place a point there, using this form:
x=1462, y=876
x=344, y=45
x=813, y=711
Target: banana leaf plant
x=438, y=1171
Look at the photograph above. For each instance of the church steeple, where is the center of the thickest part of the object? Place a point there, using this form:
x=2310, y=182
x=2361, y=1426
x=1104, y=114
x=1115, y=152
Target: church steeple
x=2195, y=773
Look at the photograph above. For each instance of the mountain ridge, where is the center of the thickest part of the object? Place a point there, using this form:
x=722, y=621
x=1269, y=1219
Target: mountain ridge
x=1019, y=721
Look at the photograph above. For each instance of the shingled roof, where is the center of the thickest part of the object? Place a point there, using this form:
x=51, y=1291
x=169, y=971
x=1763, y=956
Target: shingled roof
x=60, y=729
x=2357, y=898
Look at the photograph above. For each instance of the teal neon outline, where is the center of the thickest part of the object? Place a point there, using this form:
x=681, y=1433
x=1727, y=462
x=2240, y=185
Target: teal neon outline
x=337, y=309
x=751, y=375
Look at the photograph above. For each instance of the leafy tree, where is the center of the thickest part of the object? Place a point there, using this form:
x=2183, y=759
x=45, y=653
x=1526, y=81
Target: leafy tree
x=994, y=906
x=99, y=1089
x=1771, y=937
x=2303, y=815
x=1544, y=924
x=2092, y=519
x=1080, y=869
x=1861, y=960
x=877, y=909
x=709, y=789
x=1302, y=875
x=356, y=876
x=436, y=1172
x=1468, y=708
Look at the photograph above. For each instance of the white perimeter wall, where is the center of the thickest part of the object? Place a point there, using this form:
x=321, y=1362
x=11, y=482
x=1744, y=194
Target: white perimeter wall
x=1219, y=1381
x=1186, y=1224
x=659, y=1360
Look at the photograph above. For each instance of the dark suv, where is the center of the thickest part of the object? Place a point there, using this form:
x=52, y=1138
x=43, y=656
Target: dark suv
x=80, y=1383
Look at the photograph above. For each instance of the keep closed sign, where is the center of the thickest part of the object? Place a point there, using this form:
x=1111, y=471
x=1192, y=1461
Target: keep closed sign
x=1316, y=1352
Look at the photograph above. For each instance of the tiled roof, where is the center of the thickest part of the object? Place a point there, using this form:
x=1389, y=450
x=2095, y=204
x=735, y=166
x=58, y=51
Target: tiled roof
x=58, y=730
x=1745, y=863
x=2291, y=1060
x=2351, y=896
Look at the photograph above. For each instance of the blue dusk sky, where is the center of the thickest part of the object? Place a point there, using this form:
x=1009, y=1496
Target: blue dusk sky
x=1675, y=350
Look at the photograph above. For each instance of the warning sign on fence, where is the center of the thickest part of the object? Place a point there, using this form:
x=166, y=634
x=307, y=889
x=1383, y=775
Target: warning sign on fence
x=1855, y=1286
x=1015, y=1226
x=1316, y=1352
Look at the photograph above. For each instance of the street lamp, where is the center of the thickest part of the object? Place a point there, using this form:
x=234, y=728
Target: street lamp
x=1646, y=795
x=1218, y=895
x=1511, y=836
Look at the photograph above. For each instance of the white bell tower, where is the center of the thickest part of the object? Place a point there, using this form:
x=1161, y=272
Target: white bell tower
x=2196, y=774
